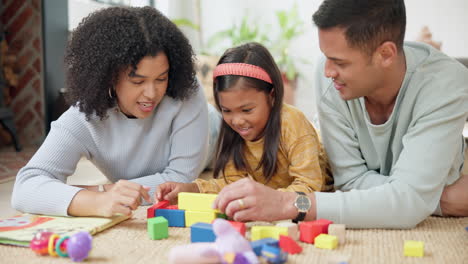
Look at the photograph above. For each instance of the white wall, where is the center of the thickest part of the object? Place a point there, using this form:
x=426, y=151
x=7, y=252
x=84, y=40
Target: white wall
x=447, y=20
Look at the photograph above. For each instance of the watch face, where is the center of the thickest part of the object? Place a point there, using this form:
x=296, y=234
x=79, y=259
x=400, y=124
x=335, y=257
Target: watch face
x=303, y=203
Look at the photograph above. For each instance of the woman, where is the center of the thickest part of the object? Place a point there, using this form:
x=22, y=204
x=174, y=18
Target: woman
x=137, y=113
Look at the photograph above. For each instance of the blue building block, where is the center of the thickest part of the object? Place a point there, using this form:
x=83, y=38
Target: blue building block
x=176, y=218
x=466, y=228
x=274, y=254
x=202, y=232
x=258, y=244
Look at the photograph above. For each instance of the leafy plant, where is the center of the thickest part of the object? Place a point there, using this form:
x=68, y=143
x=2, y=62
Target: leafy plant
x=183, y=22
x=239, y=34
x=290, y=27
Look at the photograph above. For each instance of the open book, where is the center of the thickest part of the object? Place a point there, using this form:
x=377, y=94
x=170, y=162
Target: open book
x=20, y=230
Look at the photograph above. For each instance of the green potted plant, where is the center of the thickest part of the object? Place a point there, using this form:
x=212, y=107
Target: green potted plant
x=290, y=27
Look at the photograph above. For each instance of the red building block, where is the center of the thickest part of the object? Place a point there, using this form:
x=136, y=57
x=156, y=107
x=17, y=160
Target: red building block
x=324, y=223
x=161, y=205
x=309, y=230
x=288, y=244
x=173, y=207
x=239, y=226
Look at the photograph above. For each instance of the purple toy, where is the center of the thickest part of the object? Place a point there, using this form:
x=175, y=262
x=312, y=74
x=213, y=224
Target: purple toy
x=228, y=240
x=79, y=246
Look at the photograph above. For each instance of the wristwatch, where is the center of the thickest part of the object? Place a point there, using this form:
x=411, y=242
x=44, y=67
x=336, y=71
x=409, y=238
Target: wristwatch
x=302, y=203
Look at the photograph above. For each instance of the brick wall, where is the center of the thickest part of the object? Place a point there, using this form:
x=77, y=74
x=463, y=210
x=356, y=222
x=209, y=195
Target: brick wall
x=22, y=21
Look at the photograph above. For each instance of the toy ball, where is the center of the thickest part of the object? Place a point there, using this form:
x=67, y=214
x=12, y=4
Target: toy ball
x=79, y=246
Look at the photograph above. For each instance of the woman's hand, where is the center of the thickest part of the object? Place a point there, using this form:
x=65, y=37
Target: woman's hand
x=123, y=197
x=170, y=190
x=454, y=200
x=248, y=200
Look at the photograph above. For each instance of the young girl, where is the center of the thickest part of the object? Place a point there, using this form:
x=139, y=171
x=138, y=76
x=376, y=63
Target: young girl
x=261, y=137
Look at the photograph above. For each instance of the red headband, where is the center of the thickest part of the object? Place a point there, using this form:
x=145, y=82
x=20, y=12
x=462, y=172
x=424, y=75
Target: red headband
x=242, y=69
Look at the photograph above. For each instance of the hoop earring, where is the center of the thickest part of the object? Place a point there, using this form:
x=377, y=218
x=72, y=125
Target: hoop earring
x=110, y=93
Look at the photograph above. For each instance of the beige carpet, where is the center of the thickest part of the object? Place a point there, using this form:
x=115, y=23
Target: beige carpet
x=446, y=241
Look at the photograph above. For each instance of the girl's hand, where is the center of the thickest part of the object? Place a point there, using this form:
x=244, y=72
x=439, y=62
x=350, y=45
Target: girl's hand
x=170, y=190
x=122, y=198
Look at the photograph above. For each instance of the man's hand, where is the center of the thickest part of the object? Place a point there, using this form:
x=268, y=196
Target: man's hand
x=248, y=200
x=454, y=200
x=170, y=191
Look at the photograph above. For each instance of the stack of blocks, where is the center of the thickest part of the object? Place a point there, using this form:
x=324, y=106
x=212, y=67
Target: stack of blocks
x=193, y=208
x=198, y=207
x=272, y=242
x=322, y=233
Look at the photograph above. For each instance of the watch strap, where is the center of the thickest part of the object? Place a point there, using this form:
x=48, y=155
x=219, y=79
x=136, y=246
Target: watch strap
x=301, y=215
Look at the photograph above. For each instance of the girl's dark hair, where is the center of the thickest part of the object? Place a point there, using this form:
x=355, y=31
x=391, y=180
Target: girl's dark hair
x=230, y=143
x=111, y=40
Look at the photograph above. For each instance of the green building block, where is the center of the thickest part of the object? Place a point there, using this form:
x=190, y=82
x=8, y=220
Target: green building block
x=158, y=228
x=221, y=215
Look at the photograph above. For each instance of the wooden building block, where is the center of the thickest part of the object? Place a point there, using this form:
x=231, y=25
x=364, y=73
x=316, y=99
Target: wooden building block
x=288, y=244
x=326, y=241
x=413, y=248
x=309, y=230
x=151, y=210
x=202, y=232
x=324, y=223
x=293, y=229
x=258, y=244
x=192, y=217
x=197, y=201
x=239, y=226
x=259, y=232
x=158, y=228
x=176, y=218
x=339, y=231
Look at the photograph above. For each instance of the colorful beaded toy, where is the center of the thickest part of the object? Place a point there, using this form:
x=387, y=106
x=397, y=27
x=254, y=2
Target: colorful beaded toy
x=76, y=246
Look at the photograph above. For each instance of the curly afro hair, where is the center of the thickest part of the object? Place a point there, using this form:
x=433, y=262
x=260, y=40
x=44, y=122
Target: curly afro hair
x=111, y=40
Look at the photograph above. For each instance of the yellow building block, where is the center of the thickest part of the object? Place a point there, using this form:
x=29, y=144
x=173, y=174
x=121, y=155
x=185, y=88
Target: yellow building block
x=413, y=248
x=293, y=229
x=197, y=201
x=261, y=232
x=192, y=217
x=326, y=241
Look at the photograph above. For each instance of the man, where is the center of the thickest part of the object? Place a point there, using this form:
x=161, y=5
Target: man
x=391, y=120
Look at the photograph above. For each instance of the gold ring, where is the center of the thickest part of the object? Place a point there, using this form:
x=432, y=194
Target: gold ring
x=241, y=203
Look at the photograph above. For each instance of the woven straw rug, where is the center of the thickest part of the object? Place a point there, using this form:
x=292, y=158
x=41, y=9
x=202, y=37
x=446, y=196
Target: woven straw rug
x=446, y=241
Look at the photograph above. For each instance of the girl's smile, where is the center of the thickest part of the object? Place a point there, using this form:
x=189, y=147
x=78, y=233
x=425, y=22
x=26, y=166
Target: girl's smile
x=246, y=110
